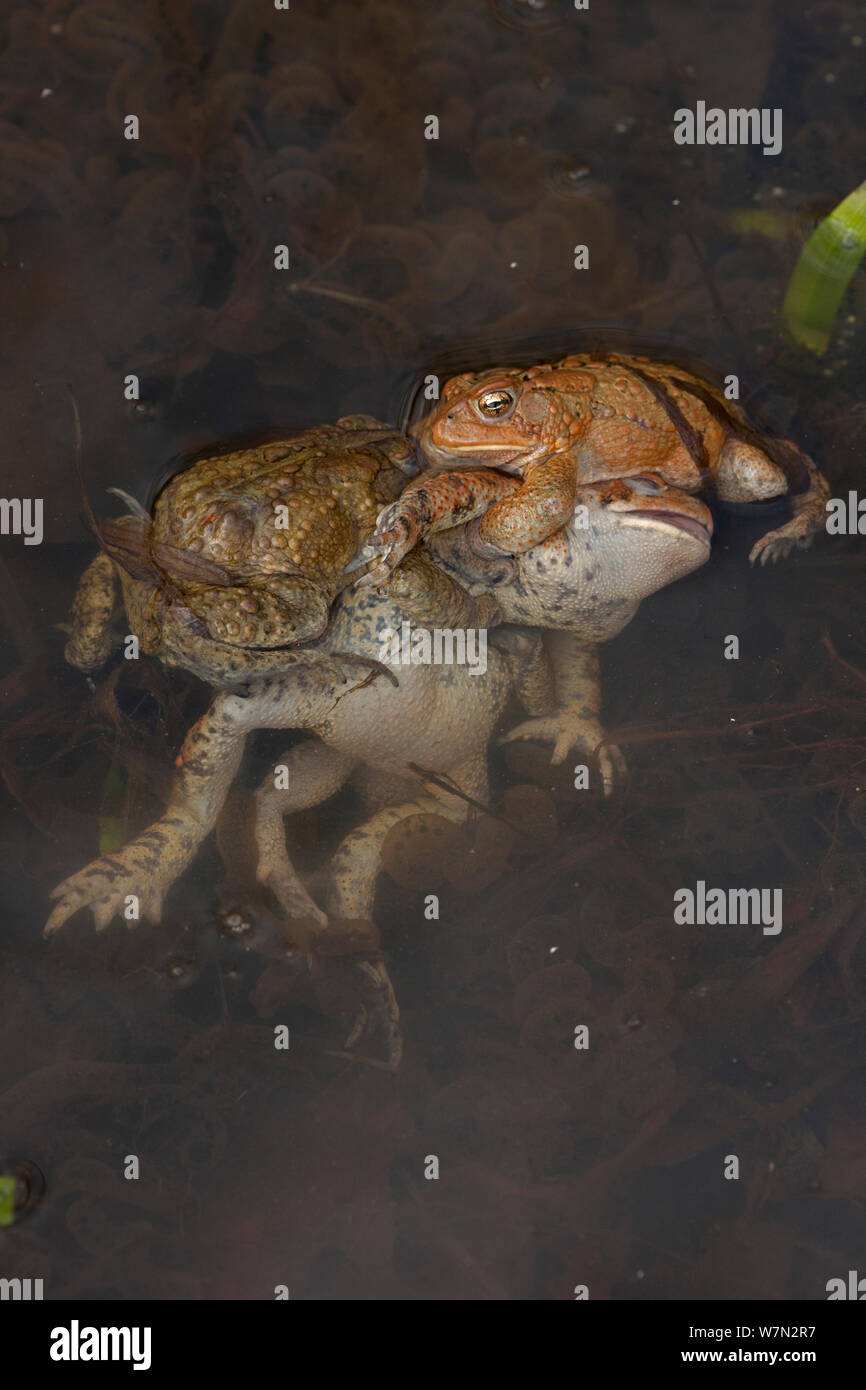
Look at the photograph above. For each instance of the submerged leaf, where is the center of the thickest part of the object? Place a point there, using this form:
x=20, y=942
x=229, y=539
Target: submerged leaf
x=112, y=827
x=7, y=1201
x=822, y=274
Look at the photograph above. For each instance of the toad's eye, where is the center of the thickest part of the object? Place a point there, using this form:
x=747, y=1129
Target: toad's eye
x=646, y=483
x=495, y=404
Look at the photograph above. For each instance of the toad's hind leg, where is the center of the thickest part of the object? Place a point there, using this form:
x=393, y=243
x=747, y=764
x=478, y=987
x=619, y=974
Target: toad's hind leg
x=355, y=868
x=744, y=473
x=809, y=509
x=89, y=644
x=137, y=877
x=210, y=757
x=356, y=864
x=313, y=772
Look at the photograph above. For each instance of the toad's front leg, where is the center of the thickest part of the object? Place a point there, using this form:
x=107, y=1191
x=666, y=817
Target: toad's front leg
x=575, y=723
x=528, y=517
x=428, y=505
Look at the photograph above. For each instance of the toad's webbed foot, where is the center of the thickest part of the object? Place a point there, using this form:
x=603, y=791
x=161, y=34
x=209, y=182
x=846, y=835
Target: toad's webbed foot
x=810, y=514
x=131, y=884
x=796, y=534
x=398, y=530
x=381, y=1010
x=776, y=545
x=568, y=733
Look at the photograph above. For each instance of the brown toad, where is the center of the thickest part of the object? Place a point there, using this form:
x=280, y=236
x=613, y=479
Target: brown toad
x=234, y=574
x=560, y=425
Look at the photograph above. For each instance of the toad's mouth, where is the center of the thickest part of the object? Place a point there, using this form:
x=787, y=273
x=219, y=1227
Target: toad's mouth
x=679, y=521
x=505, y=458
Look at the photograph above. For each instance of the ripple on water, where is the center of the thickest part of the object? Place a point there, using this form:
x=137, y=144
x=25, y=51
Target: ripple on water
x=530, y=14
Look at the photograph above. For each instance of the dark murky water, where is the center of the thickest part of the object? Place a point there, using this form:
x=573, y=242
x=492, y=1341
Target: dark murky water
x=155, y=257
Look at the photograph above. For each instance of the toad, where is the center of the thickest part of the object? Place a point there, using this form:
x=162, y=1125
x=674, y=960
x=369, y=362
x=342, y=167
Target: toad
x=234, y=574
x=587, y=417
x=586, y=582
